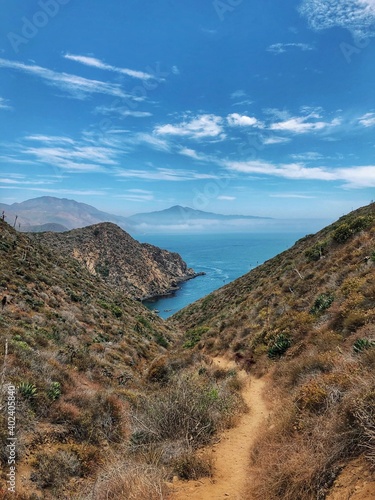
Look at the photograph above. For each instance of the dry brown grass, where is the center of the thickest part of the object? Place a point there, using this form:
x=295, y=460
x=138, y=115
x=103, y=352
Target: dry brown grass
x=328, y=421
x=127, y=480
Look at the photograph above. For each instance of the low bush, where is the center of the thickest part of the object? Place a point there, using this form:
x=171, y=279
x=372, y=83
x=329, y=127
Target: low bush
x=191, y=466
x=92, y=417
x=364, y=413
x=192, y=409
x=54, y=470
x=194, y=336
x=128, y=480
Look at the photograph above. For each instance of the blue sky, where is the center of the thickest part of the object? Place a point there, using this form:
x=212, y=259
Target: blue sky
x=256, y=107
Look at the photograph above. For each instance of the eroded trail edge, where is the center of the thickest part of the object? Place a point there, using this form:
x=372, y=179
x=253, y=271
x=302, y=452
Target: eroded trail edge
x=231, y=453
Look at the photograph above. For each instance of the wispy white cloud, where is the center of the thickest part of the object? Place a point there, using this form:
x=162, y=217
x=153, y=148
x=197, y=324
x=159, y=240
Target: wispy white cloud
x=4, y=104
x=164, y=174
x=201, y=126
x=288, y=171
x=367, y=120
x=241, y=97
x=358, y=16
x=281, y=48
x=59, y=191
x=237, y=94
x=275, y=139
x=237, y=120
x=52, y=139
x=277, y=114
x=12, y=180
x=122, y=111
x=304, y=124
x=350, y=177
x=357, y=177
x=97, y=63
x=84, y=155
x=226, y=198
x=245, y=102
x=137, y=195
x=151, y=141
x=308, y=156
x=191, y=153
x=291, y=195
x=76, y=86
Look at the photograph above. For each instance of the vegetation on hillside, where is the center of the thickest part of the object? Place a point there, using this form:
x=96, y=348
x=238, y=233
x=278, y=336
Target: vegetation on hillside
x=137, y=270
x=112, y=402
x=307, y=317
x=95, y=414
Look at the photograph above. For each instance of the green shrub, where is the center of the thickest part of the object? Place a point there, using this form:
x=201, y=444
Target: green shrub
x=362, y=344
x=322, y=302
x=342, y=233
x=361, y=222
x=194, y=336
x=54, y=391
x=279, y=346
x=161, y=340
x=317, y=251
x=347, y=229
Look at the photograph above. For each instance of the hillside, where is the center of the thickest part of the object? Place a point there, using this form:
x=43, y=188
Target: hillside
x=307, y=317
x=112, y=402
x=104, y=406
x=73, y=345
x=137, y=269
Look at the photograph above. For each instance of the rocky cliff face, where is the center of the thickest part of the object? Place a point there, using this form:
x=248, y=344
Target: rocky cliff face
x=139, y=270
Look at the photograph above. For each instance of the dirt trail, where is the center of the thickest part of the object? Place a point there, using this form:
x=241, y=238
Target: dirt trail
x=231, y=453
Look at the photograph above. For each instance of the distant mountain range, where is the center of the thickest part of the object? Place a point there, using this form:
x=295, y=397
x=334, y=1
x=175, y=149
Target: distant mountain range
x=48, y=213
x=67, y=214
x=183, y=215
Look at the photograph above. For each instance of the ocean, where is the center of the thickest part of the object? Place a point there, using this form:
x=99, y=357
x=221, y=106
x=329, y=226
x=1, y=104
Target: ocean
x=223, y=257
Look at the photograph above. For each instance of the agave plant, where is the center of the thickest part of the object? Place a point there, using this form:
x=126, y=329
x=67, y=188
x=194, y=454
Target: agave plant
x=279, y=346
x=362, y=344
x=54, y=391
x=27, y=390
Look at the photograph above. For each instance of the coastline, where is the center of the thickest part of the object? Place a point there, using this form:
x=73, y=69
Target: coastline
x=175, y=286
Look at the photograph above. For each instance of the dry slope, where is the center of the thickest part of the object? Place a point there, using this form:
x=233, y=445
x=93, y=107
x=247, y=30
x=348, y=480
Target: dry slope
x=137, y=269
x=308, y=317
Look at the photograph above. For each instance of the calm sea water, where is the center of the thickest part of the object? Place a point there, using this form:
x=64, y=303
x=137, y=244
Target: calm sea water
x=223, y=257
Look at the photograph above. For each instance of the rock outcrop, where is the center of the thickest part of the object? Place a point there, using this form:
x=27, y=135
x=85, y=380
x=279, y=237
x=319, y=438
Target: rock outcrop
x=139, y=270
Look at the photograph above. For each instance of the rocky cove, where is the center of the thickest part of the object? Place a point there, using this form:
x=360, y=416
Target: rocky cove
x=139, y=270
